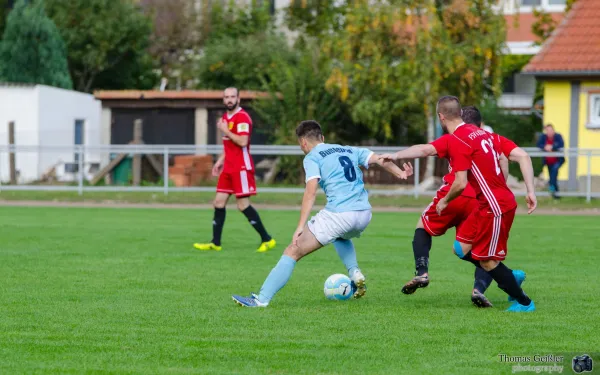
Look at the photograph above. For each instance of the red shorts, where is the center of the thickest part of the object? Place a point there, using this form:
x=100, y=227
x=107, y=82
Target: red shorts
x=240, y=183
x=490, y=233
x=454, y=215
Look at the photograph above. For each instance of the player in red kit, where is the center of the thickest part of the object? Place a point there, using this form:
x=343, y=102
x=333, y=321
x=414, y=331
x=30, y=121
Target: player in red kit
x=475, y=156
x=235, y=169
x=431, y=224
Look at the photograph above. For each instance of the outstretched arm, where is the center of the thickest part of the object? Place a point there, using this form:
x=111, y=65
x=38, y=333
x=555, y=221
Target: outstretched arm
x=413, y=152
x=520, y=156
x=392, y=167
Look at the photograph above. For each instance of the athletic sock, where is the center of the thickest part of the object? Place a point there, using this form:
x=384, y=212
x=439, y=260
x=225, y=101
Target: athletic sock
x=255, y=221
x=507, y=282
x=482, y=280
x=421, y=246
x=469, y=258
x=218, y=222
x=277, y=279
x=347, y=253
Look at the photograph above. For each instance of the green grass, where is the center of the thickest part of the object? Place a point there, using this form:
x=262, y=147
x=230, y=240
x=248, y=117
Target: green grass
x=289, y=199
x=121, y=291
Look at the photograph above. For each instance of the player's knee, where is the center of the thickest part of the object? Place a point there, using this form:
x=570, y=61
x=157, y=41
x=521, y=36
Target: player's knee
x=293, y=251
x=242, y=204
x=458, y=250
x=218, y=203
x=489, y=264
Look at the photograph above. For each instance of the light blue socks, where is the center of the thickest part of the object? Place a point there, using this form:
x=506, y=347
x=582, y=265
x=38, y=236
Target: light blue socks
x=347, y=253
x=277, y=279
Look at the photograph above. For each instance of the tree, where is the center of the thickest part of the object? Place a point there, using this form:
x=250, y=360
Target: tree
x=243, y=62
x=4, y=10
x=32, y=50
x=105, y=38
x=176, y=38
x=232, y=20
x=369, y=69
x=543, y=26
x=297, y=92
x=315, y=18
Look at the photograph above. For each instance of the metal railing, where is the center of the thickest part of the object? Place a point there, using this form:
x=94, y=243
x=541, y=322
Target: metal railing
x=50, y=155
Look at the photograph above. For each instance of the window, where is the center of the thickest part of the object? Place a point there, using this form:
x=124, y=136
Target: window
x=542, y=3
x=508, y=85
x=78, y=137
x=531, y=2
x=594, y=111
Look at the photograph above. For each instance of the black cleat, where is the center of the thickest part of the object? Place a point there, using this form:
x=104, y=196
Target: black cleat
x=416, y=283
x=480, y=300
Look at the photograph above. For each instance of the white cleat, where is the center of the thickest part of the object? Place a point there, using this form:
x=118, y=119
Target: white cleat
x=358, y=279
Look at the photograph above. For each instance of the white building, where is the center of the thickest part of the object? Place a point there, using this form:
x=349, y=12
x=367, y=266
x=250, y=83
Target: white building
x=48, y=116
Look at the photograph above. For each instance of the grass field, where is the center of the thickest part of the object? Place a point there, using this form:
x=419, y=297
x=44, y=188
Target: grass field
x=122, y=291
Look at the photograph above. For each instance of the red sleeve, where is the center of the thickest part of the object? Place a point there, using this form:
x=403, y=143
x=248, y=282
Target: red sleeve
x=506, y=145
x=242, y=127
x=441, y=146
x=460, y=154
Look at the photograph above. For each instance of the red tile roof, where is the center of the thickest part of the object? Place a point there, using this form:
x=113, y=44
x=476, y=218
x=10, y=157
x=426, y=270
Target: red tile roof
x=574, y=47
x=181, y=95
x=518, y=26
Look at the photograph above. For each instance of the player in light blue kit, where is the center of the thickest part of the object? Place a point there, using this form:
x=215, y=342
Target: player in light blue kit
x=347, y=213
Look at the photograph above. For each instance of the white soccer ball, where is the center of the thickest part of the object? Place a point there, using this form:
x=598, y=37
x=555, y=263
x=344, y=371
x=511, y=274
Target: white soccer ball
x=338, y=287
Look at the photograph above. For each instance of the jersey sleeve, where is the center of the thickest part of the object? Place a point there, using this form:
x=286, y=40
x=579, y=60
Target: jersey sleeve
x=460, y=153
x=364, y=154
x=243, y=125
x=311, y=169
x=506, y=145
x=441, y=146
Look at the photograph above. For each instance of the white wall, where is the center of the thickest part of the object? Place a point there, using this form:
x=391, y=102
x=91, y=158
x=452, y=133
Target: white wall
x=19, y=104
x=58, y=111
x=46, y=116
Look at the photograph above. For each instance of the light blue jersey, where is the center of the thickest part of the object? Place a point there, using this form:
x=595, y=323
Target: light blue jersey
x=337, y=168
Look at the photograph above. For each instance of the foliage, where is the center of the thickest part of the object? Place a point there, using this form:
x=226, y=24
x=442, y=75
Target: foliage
x=511, y=64
x=543, y=26
x=296, y=92
x=233, y=21
x=314, y=18
x=4, y=10
x=32, y=50
x=368, y=74
x=394, y=58
x=105, y=39
x=570, y=4
x=243, y=61
x=175, y=40
x=466, y=39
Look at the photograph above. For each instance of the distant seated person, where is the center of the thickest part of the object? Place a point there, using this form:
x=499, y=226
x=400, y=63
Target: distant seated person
x=551, y=141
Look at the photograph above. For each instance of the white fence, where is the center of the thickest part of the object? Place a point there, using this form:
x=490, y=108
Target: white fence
x=32, y=161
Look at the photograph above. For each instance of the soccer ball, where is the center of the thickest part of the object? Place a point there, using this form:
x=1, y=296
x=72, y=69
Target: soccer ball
x=338, y=287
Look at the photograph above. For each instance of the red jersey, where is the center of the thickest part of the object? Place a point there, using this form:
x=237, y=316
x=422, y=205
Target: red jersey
x=478, y=152
x=441, y=146
x=238, y=158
